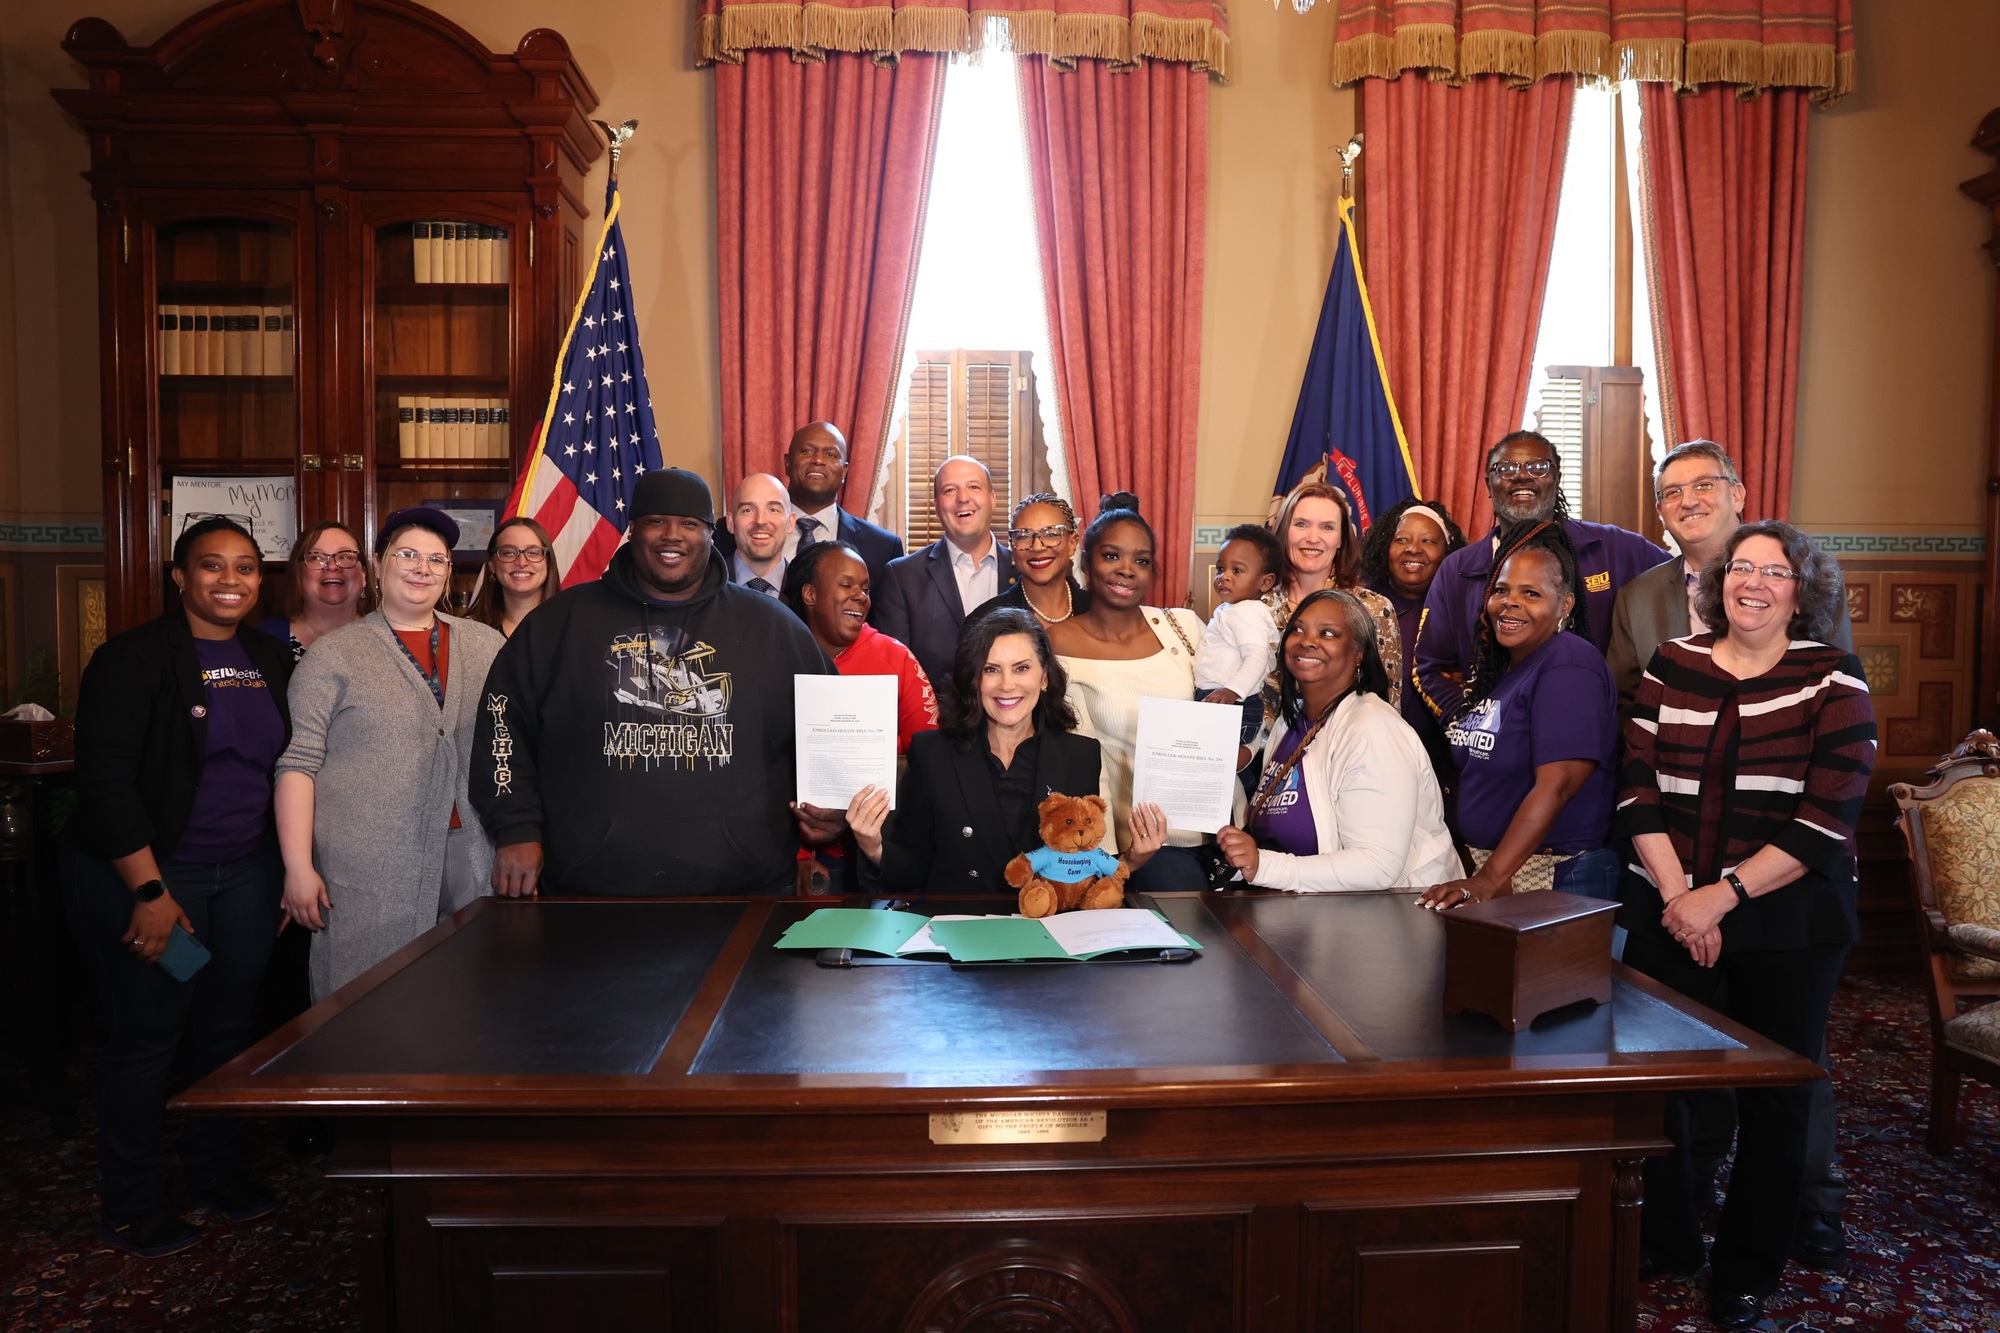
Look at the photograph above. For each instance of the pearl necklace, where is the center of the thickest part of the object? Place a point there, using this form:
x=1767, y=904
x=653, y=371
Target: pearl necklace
x=1069, y=606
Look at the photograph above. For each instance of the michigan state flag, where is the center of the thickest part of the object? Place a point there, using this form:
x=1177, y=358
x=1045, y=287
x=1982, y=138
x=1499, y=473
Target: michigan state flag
x=1345, y=429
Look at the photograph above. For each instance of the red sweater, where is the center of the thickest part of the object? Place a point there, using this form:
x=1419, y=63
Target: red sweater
x=876, y=654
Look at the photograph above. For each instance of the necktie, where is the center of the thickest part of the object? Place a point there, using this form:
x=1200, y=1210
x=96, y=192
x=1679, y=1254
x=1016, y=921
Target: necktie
x=808, y=531
x=761, y=585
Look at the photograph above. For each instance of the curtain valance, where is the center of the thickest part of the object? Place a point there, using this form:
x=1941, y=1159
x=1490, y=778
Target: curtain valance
x=1119, y=32
x=1754, y=44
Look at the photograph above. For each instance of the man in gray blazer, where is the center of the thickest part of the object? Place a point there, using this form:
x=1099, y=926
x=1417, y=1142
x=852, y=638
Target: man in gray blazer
x=1700, y=500
x=923, y=597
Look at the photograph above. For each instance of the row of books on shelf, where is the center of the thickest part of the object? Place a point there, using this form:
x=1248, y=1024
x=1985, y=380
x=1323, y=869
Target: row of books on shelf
x=429, y=429
x=460, y=252
x=226, y=340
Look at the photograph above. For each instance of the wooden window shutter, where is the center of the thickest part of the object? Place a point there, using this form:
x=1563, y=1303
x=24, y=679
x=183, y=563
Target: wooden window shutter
x=1595, y=417
x=928, y=445
x=976, y=403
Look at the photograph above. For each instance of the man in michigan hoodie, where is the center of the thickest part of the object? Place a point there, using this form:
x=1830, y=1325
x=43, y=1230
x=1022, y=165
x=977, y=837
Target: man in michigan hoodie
x=635, y=736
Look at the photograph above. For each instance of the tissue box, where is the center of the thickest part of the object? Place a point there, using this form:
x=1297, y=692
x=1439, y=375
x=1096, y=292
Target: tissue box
x=36, y=742
x=1516, y=957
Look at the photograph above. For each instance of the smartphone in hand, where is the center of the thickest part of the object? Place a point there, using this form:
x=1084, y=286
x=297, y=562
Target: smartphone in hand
x=184, y=955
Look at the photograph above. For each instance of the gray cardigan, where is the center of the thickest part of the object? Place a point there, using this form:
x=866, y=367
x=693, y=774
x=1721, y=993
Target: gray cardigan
x=386, y=766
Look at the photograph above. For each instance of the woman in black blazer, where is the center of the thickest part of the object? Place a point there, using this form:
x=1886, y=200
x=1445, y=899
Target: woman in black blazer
x=178, y=724
x=970, y=794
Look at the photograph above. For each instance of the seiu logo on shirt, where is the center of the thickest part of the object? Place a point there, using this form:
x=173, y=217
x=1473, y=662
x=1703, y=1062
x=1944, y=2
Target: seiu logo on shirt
x=233, y=678
x=1477, y=731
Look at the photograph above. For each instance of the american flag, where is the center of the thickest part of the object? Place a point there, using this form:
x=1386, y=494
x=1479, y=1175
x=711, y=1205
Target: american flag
x=597, y=437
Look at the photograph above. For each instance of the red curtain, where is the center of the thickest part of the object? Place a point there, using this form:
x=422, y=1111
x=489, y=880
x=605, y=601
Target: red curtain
x=1119, y=165
x=1460, y=185
x=822, y=172
x=1726, y=223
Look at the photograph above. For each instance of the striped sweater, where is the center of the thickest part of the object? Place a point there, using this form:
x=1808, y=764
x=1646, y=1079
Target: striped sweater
x=1796, y=747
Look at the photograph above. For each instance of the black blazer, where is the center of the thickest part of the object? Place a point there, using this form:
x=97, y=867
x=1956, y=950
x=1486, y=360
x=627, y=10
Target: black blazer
x=917, y=602
x=946, y=835
x=140, y=743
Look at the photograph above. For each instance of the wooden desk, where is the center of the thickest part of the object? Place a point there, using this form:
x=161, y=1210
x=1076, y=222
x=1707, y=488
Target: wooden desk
x=625, y=1115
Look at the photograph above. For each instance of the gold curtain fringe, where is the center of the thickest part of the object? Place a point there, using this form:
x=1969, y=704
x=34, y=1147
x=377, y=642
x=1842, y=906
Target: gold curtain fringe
x=1652, y=60
x=1724, y=62
x=1426, y=46
x=1372, y=56
x=1575, y=51
x=810, y=31
x=1497, y=51
x=1798, y=65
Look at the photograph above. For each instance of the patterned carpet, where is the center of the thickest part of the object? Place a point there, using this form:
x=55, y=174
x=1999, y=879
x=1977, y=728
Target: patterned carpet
x=1924, y=1233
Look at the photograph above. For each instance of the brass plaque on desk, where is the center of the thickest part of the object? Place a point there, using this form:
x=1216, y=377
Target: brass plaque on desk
x=1050, y=1126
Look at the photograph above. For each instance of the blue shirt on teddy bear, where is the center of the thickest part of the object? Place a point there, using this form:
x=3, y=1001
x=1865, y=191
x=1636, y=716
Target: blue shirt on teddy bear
x=1069, y=867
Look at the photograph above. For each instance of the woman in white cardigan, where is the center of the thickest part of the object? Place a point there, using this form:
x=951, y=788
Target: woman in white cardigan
x=1348, y=800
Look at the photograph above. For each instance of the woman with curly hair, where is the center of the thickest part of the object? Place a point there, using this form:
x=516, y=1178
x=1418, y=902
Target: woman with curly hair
x=1537, y=734
x=1746, y=760
x=1399, y=559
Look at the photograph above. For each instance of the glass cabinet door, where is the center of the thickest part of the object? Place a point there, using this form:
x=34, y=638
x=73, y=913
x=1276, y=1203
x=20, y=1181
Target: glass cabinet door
x=442, y=370
x=226, y=362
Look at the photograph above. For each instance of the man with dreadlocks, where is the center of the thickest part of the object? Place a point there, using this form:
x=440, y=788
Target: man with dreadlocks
x=1537, y=734
x=1524, y=481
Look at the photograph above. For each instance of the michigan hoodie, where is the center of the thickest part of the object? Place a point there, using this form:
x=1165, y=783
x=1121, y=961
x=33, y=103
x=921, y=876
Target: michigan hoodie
x=646, y=745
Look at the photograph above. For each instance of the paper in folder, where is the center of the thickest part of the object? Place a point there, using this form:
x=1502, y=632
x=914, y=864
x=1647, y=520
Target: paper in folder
x=1067, y=937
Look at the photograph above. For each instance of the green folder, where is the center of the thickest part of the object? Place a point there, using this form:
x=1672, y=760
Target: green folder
x=861, y=928
x=996, y=939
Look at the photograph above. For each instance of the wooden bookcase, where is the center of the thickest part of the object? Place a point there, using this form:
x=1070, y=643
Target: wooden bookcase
x=285, y=157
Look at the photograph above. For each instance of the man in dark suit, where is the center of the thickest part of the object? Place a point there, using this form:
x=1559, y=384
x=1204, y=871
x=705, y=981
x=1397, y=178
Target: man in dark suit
x=760, y=514
x=1700, y=501
x=923, y=598
x=815, y=470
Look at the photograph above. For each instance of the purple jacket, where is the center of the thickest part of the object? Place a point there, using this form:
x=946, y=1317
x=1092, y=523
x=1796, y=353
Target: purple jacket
x=1607, y=556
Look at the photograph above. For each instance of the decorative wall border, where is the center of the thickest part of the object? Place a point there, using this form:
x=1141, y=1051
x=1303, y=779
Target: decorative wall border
x=33, y=536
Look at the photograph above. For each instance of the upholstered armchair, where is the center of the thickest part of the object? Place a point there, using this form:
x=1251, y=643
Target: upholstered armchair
x=1952, y=827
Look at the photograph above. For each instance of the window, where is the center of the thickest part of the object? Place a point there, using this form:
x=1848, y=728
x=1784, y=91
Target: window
x=978, y=332
x=1594, y=365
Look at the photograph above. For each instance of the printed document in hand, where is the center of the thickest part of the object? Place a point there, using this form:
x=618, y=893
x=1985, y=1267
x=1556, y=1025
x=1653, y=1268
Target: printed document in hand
x=846, y=737
x=1185, y=760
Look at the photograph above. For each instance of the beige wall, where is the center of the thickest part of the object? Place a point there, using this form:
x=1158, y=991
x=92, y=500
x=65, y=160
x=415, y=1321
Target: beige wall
x=1898, y=340
x=1898, y=309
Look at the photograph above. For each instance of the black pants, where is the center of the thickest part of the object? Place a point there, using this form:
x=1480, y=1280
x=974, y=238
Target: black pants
x=1824, y=1190
x=233, y=906
x=1782, y=995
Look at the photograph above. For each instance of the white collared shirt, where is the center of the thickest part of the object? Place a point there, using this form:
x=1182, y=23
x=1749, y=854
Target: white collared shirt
x=978, y=577
x=829, y=528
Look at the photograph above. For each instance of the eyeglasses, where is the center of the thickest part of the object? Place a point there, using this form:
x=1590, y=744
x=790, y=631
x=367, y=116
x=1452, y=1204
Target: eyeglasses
x=1049, y=536
x=1534, y=467
x=414, y=559
x=1700, y=487
x=335, y=559
x=1743, y=569
x=534, y=555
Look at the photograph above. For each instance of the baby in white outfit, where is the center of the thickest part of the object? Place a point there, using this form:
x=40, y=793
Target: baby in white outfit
x=1240, y=647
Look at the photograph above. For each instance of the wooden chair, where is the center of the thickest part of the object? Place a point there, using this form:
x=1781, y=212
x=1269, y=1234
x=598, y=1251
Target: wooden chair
x=1952, y=827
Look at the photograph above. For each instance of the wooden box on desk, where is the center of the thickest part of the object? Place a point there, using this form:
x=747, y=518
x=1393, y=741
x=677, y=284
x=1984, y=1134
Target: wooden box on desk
x=1517, y=957
x=36, y=742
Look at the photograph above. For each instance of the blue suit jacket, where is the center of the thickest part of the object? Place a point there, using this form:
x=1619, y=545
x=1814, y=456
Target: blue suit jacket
x=917, y=602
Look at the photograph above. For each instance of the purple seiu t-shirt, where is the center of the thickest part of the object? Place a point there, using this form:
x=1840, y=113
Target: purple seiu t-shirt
x=232, y=802
x=1285, y=824
x=1558, y=704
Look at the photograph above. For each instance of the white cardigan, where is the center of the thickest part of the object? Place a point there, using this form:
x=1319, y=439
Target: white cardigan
x=1375, y=806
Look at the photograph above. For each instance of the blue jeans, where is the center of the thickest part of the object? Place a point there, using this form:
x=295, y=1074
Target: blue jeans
x=1591, y=874
x=233, y=906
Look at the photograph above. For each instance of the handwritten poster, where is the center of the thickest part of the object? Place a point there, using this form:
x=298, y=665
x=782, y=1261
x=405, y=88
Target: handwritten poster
x=267, y=506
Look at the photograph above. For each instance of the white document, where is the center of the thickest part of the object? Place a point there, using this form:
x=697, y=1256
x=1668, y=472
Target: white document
x=1185, y=761
x=1082, y=933
x=921, y=942
x=846, y=731
x=266, y=506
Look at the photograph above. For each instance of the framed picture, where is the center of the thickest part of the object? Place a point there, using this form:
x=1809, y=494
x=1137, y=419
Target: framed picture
x=266, y=506
x=476, y=521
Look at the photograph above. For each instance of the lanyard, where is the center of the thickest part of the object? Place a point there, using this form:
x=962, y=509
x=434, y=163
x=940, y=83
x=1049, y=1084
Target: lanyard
x=431, y=678
x=1276, y=778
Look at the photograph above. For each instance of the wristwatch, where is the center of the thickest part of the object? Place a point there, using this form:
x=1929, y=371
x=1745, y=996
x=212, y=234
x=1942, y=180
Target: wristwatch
x=148, y=891
x=1742, y=894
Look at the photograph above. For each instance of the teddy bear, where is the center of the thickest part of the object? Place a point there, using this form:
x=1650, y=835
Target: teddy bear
x=1068, y=871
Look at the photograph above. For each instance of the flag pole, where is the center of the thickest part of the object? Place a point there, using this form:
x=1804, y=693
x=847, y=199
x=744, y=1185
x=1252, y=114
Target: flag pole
x=1348, y=155
x=618, y=138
